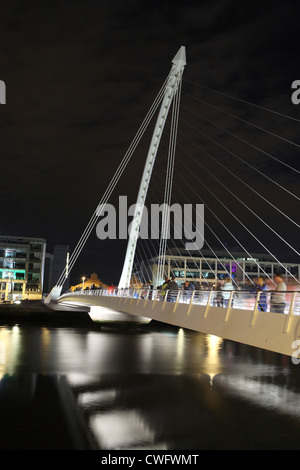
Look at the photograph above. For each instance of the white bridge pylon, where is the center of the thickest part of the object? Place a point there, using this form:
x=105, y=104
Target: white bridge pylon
x=170, y=90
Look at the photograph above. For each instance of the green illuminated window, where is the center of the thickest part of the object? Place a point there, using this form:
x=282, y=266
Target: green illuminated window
x=12, y=273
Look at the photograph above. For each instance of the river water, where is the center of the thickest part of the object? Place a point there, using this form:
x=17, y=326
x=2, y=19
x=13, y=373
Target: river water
x=150, y=387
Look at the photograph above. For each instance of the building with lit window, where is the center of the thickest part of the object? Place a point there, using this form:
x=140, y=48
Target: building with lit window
x=209, y=268
x=21, y=268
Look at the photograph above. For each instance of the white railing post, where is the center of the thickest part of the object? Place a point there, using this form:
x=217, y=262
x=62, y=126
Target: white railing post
x=155, y=297
x=228, y=307
x=254, y=314
x=165, y=299
x=208, y=304
x=177, y=301
x=191, y=302
x=290, y=314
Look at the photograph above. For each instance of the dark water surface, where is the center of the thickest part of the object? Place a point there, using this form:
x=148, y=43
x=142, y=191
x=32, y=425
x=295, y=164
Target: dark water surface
x=153, y=387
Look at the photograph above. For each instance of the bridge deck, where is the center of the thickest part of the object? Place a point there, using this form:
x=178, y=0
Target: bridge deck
x=238, y=317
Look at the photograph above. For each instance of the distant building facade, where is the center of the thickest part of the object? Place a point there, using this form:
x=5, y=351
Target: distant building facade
x=57, y=263
x=92, y=282
x=21, y=267
x=211, y=267
x=27, y=272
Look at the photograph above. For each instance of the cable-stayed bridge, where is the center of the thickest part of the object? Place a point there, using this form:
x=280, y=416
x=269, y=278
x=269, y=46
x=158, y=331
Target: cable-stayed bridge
x=241, y=316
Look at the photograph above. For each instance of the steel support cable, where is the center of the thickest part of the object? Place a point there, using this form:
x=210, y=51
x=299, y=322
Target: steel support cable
x=169, y=179
x=113, y=182
x=243, y=101
x=141, y=248
x=224, y=246
x=166, y=190
x=241, y=246
x=204, y=258
x=241, y=222
x=157, y=228
x=245, y=121
x=172, y=240
x=245, y=162
x=229, y=230
x=166, y=193
x=236, y=197
x=176, y=247
x=216, y=256
x=249, y=231
x=167, y=196
x=212, y=250
x=242, y=140
x=233, y=174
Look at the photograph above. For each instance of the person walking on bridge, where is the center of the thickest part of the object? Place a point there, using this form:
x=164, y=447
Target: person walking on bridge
x=226, y=288
x=277, y=303
x=261, y=287
x=172, y=289
x=164, y=287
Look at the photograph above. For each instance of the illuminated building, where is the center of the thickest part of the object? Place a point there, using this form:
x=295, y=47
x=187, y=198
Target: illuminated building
x=211, y=267
x=91, y=282
x=57, y=263
x=21, y=267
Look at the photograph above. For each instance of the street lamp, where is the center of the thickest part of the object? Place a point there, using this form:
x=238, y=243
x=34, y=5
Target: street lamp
x=83, y=279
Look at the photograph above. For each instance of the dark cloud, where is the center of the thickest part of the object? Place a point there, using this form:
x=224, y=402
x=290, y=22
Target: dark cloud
x=81, y=76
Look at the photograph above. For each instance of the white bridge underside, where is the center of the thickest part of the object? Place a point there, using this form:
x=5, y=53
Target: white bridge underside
x=271, y=331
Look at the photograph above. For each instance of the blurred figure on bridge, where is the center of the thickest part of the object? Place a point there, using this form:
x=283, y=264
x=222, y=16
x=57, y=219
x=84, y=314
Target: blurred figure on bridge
x=164, y=287
x=277, y=303
x=172, y=289
x=226, y=288
x=261, y=287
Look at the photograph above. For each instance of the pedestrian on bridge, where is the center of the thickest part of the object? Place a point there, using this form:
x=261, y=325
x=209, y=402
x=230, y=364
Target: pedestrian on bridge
x=277, y=303
x=261, y=287
x=172, y=290
x=164, y=287
x=149, y=289
x=188, y=288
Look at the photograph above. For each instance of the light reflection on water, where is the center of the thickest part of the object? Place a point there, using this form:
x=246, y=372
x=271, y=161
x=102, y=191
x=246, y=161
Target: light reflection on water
x=154, y=387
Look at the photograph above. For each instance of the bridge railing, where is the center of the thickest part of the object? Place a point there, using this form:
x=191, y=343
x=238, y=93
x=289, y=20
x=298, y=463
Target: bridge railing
x=286, y=302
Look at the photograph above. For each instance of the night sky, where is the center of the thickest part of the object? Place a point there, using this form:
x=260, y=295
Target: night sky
x=80, y=77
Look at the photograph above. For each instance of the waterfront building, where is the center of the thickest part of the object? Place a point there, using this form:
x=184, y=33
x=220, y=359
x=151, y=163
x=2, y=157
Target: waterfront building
x=57, y=264
x=211, y=267
x=21, y=267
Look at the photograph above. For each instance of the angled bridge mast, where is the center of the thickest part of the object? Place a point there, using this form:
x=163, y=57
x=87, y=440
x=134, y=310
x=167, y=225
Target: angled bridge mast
x=172, y=86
